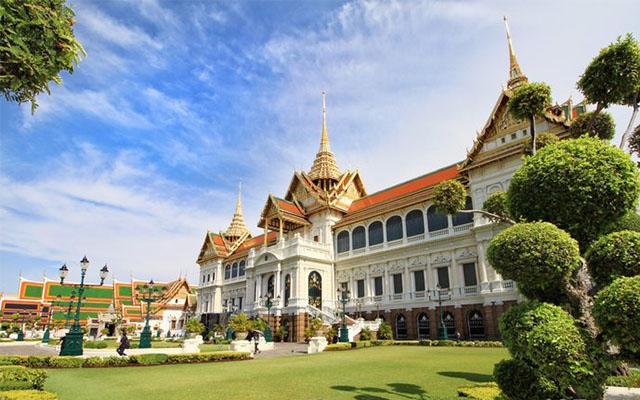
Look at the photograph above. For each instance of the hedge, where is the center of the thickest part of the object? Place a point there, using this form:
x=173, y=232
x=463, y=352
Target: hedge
x=27, y=395
x=482, y=391
x=114, y=361
x=428, y=343
x=14, y=377
x=631, y=380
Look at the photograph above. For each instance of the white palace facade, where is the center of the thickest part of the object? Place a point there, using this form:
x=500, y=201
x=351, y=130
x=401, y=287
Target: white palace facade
x=391, y=249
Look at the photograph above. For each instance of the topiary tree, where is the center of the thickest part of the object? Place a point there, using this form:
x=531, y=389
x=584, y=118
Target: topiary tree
x=617, y=307
x=614, y=255
x=517, y=251
x=496, y=204
x=194, y=325
x=634, y=141
x=450, y=197
x=521, y=381
x=580, y=185
x=600, y=125
x=529, y=101
x=629, y=222
x=542, y=139
x=613, y=77
x=384, y=331
x=36, y=43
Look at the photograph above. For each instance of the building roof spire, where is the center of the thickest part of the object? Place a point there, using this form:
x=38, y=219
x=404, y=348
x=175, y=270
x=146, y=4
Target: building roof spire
x=237, y=227
x=516, y=76
x=324, y=166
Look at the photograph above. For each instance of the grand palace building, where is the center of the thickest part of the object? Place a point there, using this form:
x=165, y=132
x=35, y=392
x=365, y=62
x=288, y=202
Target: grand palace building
x=395, y=253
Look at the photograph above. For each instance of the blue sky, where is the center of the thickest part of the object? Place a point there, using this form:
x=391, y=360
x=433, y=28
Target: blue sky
x=141, y=150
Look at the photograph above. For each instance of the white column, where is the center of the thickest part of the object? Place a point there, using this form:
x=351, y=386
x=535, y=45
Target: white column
x=277, y=283
x=258, y=289
x=385, y=284
x=482, y=263
x=406, y=285
x=367, y=285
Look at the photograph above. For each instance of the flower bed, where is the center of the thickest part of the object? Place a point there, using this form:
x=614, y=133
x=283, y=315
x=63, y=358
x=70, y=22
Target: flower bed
x=434, y=343
x=27, y=395
x=113, y=361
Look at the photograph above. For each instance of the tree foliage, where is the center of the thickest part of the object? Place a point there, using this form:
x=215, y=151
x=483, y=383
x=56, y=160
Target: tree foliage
x=36, y=43
x=613, y=76
x=543, y=139
x=578, y=185
x=529, y=101
x=449, y=196
x=520, y=381
x=496, y=203
x=549, y=338
x=538, y=256
x=195, y=326
x=600, y=125
x=629, y=222
x=617, y=309
x=634, y=141
x=614, y=255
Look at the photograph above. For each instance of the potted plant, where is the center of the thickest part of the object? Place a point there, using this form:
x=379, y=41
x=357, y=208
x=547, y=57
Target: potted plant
x=315, y=324
x=241, y=324
x=279, y=334
x=194, y=327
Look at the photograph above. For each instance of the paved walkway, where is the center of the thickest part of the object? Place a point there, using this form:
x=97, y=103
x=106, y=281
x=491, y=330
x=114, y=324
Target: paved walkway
x=27, y=349
x=284, y=349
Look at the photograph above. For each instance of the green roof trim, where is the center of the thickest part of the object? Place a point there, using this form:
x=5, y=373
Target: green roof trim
x=125, y=291
x=89, y=292
x=33, y=291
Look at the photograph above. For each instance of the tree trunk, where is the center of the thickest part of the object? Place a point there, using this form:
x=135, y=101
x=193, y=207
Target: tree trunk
x=626, y=134
x=593, y=118
x=579, y=297
x=532, y=123
x=489, y=215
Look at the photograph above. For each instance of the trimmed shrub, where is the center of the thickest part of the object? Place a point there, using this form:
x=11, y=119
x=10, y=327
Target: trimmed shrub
x=631, y=380
x=481, y=391
x=112, y=361
x=149, y=359
x=95, y=344
x=629, y=222
x=538, y=256
x=617, y=307
x=578, y=185
x=65, y=362
x=18, y=377
x=449, y=196
x=542, y=139
x=614, y=255
x=207, y=357
x=365, y=334
x=548, y=338
x=27, y=395
x=496, y=203
x=520, y=381
x=338, y=347
x=385, y=332
x=603, y=125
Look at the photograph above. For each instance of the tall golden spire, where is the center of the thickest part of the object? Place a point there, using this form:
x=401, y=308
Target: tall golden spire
x=237, y=227
x=324, y=170
x=516, y=76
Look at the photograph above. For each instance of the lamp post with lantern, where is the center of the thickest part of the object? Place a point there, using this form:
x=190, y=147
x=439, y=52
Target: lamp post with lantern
x=268, y=302
x=150, y=293
x=73, y=339
x=344, y=299
x=444, y=335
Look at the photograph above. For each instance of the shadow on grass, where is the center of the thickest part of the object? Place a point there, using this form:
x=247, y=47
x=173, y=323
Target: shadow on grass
x=394, y=390
x=470, y=376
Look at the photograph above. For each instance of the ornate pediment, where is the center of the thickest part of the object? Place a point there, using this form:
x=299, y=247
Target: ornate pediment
x=418, y=261
x=343, y=276
x=377, y=269
x=359, y=274
x=441, y=258
x=468, y=252
x=396, y=266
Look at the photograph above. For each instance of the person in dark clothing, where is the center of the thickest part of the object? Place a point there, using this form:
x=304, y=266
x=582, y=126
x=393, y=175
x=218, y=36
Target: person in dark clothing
x=124, y=344
x=256, y=339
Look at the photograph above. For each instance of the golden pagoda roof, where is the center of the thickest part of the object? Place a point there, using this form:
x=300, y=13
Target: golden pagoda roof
x=237, y=228
x=324, y=166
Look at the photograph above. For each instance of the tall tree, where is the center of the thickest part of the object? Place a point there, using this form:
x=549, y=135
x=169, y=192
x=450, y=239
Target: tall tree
x=529, y=101
x=36, y=44
x=613, y=77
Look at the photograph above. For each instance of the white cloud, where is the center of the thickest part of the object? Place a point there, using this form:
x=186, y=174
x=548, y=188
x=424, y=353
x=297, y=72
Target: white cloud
x=108, y=29
x=114, y=209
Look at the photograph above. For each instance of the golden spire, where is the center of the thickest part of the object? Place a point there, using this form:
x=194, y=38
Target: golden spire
x=516, y=76
x=237, y=227
x=324, y=168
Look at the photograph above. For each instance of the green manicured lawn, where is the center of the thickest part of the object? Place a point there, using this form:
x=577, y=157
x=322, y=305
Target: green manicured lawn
x=394, y=372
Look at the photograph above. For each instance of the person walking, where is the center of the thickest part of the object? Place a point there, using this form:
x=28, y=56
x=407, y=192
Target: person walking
x=124, y=343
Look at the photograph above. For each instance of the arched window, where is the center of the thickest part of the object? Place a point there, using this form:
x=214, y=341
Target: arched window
x=358, y=238
x=415, y=223
x=375, y=233
x=423, y=326
x=343, y=241
x=234, y=270
x=394, y=228
x=463, y=218
x=475, y=321
x=315, y=290
x=270, y=287
x=436, y=220
x=401, y=327
x=450, y=324
x=242, y=266
x=287, y=289
x=227, y=271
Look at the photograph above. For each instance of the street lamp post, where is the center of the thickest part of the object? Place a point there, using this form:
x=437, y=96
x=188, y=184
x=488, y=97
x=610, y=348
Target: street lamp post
x=150, y=293
x=46, y=334
x=73, y=339
x=230, y=332
x=268, y=302
x=344, y=331
x=443, y=329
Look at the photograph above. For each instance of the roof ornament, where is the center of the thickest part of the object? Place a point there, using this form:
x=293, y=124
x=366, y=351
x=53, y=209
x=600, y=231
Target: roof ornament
x=516, y=76
x=237, y=228
x=324, y=171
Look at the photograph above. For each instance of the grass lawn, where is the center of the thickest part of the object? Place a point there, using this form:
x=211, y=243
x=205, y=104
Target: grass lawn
x=393, y=372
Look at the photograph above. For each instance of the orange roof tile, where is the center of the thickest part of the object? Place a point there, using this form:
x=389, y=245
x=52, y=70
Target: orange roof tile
x=290, y=207
x=255, y=241
x=405, y=188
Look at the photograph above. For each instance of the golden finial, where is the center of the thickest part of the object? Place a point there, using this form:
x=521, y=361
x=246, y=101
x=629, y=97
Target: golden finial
x=324, y=140
x=237, y=228
x=324, y=166
x=515, y=72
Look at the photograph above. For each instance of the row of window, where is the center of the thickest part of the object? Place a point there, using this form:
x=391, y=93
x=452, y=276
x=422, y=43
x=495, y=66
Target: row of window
x=208, y=277
x=468, y=269
x=234, y=270
x=414, y=222
x=230, y=304
x=475, y=325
